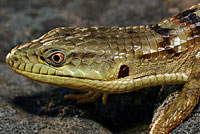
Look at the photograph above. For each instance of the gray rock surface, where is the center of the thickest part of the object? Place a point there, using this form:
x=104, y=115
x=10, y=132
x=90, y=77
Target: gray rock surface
x=27, y=106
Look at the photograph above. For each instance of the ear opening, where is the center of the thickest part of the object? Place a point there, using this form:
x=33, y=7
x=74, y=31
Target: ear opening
x=123, y=71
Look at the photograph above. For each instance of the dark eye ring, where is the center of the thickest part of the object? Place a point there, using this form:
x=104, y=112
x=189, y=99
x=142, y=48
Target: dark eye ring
x=57, y=57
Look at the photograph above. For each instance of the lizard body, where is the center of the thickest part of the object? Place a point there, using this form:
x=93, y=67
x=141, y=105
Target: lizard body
x=109, y=60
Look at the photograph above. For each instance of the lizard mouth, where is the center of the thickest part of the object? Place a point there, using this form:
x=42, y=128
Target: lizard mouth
x=32, y=63
x=43, y=73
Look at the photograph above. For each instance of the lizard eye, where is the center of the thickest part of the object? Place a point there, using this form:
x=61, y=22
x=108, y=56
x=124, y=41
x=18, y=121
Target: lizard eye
x=57, y=57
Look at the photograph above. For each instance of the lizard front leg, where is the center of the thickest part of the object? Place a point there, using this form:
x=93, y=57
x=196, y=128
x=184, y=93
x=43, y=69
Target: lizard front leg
x=180, y=106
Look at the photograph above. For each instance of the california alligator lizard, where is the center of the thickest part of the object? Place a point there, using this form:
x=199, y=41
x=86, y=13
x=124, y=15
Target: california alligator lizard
x=108, y=60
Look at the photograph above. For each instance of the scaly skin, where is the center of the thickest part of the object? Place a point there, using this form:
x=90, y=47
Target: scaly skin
x=108, y=60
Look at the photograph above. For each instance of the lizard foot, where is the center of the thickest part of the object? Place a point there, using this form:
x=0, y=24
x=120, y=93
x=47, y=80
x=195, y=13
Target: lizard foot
x=87, y=97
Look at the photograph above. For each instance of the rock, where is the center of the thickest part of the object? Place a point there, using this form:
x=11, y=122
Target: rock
x=20, y=112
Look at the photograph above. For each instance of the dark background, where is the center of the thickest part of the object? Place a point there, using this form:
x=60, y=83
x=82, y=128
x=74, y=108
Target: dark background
x=27, y=106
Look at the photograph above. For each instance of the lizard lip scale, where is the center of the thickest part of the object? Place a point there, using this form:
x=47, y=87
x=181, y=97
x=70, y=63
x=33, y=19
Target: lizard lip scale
x=109, y=60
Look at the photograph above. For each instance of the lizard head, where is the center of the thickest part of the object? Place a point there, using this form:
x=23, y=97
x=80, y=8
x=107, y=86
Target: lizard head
x=69, y=57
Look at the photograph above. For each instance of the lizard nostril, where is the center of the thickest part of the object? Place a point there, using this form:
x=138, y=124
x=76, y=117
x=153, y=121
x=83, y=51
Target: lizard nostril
x=15, y=59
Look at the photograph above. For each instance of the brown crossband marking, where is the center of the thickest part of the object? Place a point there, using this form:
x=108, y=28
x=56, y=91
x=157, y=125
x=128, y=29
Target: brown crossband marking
x=160, y=30
x=166, y=43
x=185, y=13
x=188, y=17
x=192, y=19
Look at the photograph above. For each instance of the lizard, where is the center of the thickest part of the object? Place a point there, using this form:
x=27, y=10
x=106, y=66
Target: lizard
x=113, y=60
